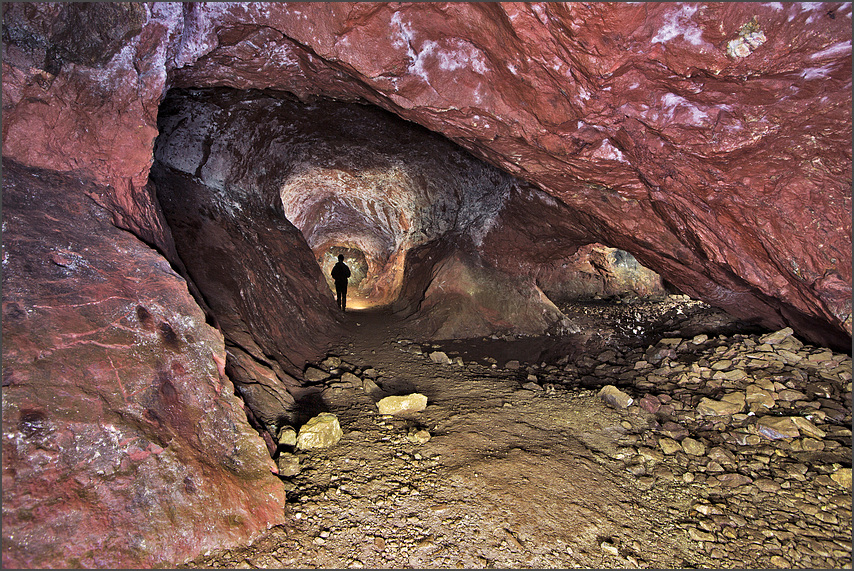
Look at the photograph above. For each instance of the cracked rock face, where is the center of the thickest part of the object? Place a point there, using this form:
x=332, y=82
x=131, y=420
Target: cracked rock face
x=711, y=142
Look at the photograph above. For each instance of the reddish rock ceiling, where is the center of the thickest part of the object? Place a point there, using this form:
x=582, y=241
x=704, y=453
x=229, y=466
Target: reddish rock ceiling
x=722, y=164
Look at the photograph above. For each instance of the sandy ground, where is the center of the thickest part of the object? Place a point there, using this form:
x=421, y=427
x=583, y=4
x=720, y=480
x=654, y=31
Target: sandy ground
x=510, y=478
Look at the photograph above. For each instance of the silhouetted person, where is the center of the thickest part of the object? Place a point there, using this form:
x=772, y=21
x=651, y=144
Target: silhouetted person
x=341, y=273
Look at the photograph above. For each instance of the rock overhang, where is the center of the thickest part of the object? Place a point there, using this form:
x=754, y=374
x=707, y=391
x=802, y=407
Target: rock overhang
x=666, y=141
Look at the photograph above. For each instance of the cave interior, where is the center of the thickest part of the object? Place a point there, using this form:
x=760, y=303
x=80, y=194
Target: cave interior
x=180, y=179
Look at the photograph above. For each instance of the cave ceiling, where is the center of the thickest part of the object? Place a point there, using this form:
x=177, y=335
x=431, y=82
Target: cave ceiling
x=712, y=141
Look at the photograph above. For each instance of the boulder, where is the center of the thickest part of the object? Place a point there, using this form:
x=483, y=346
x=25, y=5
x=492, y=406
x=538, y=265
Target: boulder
x=401, y=404
x=321, y=431
x=615, y=397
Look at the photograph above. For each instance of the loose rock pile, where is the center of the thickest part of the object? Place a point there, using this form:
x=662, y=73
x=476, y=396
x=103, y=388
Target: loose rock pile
x=704, y=450
x=759, y=425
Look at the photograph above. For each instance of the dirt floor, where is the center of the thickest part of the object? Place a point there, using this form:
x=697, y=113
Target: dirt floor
x=527, y=467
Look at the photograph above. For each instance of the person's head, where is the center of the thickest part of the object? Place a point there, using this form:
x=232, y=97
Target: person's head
x=340, y=257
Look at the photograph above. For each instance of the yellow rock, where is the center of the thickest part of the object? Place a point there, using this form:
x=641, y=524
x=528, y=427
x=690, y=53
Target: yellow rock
x=414, y=402
x=842, y=477
x=321, y=431
x=808, y=428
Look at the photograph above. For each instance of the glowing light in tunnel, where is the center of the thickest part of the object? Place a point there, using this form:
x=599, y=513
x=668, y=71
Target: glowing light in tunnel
x=358, y=304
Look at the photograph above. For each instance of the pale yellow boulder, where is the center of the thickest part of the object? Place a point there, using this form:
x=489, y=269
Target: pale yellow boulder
x=398, y=404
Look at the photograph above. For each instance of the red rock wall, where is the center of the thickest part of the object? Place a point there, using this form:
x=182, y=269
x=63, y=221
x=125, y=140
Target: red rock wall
x=123, y=442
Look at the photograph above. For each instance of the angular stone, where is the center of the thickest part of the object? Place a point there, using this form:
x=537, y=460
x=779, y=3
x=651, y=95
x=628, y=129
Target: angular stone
x=532, y=386
x=672, y=429
x=766, y=485
x=693, y=447
x=669, y=446
x=400, y=404
x=615, y=397
x=790, y=395
x=730, y=375
x=651, y=454
x=351, y=380
x=440, y=357
x=807, y=427
x=789, y=356
x=842, y=477
x=711, y=407
x=777, y=427
x=288, y=464
x=721, y=455
x=331, y=362
x=287, y=436
x=313, y=375
x=736, y=398
x=321, y=431
x=777, y=336
x=373, y=389
x=650, y=403
x=758, y=398
x=732, y=480
x=699, y=535
x=418, y=436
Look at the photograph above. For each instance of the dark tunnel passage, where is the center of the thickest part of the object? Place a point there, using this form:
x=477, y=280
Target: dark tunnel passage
x=262, y=192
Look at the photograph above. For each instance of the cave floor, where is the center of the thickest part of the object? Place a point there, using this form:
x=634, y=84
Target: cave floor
x=539, y=472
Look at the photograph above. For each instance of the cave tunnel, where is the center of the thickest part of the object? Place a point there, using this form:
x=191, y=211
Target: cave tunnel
x=599, y=312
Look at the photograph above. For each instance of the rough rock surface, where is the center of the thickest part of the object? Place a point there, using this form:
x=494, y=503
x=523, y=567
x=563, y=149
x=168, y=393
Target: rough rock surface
x=712, y=142
x=723, y=166
x=359, y=181
x=123, y=442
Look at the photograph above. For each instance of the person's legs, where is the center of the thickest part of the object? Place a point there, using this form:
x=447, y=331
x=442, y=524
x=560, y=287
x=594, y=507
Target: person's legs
x=341, y=296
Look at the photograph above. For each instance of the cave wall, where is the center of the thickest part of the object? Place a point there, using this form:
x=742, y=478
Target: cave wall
x=123, y=442
x=351, y=178
x=711, y=141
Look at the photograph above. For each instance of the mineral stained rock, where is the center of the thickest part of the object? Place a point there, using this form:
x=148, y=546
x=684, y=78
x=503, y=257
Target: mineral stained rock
x=321, y=431
x=123, y=442
x=401, y=404
x=710, y=141
x=726, y=171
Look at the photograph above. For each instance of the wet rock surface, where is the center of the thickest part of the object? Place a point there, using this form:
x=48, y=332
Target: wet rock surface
x=527, y=466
